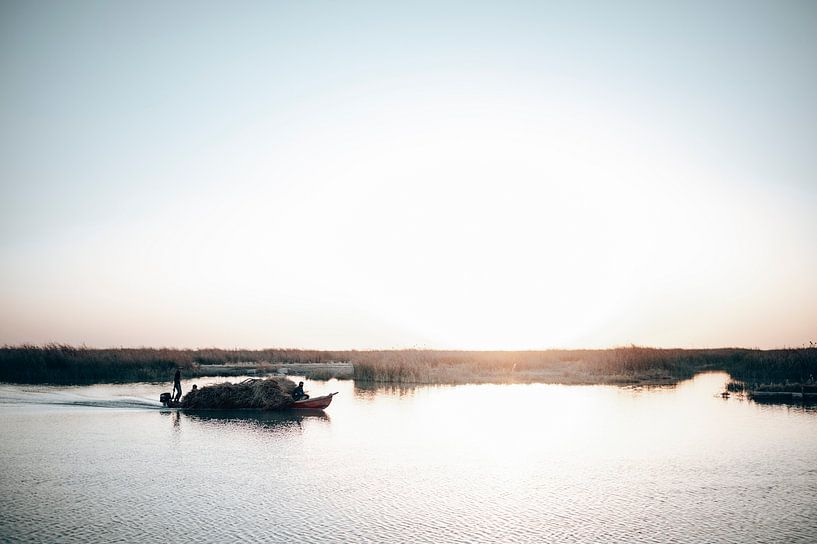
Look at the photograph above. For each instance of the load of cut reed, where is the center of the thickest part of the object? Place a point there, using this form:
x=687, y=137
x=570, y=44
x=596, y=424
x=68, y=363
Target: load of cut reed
x=269, y=394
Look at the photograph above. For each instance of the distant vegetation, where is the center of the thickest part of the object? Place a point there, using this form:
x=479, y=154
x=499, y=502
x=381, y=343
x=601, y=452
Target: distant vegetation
x=55, y=363
x=68, y=364
x=620, y=365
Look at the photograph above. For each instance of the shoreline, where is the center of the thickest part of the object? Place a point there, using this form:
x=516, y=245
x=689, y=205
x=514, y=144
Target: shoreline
x=67, y=365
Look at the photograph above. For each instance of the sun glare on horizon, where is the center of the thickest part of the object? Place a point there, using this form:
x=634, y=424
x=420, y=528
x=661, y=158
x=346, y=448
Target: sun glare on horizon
x=329, y=186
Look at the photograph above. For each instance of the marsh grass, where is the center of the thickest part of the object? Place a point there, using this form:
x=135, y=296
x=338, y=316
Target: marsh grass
x=65, y=364
x=809, y=388
x=616, y=366
x=55, y=363
x=627, y=365
x=324, y=374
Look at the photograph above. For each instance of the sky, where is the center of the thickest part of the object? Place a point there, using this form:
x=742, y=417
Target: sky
x=455, y=175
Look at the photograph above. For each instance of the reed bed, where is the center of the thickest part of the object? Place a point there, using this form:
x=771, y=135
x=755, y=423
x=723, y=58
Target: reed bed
x=67, y=364
x=56, y=363
x=321, y=374
x=620, y=365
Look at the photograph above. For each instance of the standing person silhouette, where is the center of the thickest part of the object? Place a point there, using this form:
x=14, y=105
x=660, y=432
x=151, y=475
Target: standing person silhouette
x=177, y=385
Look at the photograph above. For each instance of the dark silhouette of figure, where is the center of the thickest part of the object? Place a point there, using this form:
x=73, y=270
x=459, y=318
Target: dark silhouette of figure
x=177, y=385
x=298, y=392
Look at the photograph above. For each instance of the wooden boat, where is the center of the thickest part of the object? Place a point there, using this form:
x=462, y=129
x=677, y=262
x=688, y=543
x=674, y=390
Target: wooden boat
x=316, y=403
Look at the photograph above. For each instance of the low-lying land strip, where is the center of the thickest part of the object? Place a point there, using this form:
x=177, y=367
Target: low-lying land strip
x=62, y=364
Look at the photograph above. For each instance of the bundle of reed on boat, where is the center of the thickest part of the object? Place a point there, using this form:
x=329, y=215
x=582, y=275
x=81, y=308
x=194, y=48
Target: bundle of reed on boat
x=269, y=394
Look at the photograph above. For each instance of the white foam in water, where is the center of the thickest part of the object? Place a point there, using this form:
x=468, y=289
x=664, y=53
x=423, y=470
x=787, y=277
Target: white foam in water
x=60, y=397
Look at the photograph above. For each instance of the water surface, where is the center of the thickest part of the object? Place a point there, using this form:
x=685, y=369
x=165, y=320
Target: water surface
x=520, y=463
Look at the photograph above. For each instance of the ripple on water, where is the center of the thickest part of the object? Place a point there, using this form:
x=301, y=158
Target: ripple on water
x=573, y=464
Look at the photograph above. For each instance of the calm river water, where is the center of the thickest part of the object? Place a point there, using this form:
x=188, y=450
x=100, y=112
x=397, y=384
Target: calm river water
x=509, y=463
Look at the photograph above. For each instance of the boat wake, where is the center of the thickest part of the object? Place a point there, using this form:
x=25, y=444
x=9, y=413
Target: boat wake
x=52, y=397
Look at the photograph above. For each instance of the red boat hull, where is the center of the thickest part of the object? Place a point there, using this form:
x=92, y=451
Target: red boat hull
x=318, y=403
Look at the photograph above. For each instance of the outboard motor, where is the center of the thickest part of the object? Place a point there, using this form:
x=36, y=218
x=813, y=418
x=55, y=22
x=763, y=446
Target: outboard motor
x=164, y=398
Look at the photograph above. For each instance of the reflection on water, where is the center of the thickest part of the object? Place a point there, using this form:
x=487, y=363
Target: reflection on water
x=531, y=462
x=248, y=420
x=259, y=419
x=368, y=389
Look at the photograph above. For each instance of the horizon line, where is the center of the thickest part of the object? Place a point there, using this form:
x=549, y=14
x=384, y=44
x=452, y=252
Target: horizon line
x=24, y=345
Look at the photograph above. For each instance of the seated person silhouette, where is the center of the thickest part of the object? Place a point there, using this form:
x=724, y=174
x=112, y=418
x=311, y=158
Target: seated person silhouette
x=298, y=392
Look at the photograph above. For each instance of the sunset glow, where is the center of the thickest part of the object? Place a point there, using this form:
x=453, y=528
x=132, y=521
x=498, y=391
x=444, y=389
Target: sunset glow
x=333, y=186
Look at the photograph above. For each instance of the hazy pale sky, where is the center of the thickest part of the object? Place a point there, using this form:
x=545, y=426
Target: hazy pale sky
x=504, y=175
